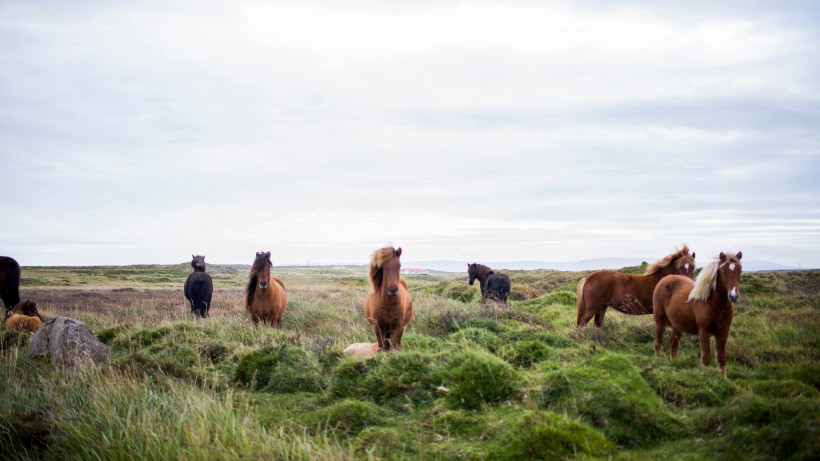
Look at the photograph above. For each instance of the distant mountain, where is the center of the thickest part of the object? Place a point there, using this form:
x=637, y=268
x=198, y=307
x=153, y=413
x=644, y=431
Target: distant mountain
x=583, y=265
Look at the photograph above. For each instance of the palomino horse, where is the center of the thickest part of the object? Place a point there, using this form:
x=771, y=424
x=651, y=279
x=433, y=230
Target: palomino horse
x=265, y=297
x=703, y=307
x=24, y=317
x=199, y=287
x=9, y=283
x=388, y=306
x=630, y=294
x=493, y=286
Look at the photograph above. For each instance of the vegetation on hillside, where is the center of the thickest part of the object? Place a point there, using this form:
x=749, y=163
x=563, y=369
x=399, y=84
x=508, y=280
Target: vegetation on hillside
x=474, y=381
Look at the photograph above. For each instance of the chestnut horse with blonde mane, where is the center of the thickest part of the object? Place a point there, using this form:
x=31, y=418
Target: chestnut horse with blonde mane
x=630, y=294
x=265, y=296
x=703, y=307
x=388, y=306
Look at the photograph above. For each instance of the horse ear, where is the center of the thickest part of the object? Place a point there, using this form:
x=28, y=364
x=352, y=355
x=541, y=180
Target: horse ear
x=739, y=255
x=398, y=252
x=192, y=256
x=722, y=257
x=693, y=255
x=267, y=254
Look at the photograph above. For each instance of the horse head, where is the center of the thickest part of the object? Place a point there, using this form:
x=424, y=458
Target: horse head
x=27, y=307
x=198, y=263
x=729, y=271
x=390, y=273
x=472, y=271
x=685, y=265
x=261, y=268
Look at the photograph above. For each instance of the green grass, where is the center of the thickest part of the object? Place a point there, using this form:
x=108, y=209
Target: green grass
x=473, y=381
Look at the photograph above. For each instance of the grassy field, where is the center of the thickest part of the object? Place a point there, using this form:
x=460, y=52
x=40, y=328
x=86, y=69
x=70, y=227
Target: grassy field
x=473, y=382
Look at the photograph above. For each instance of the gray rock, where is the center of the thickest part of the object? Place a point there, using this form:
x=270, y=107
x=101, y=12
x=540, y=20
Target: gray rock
x=68, y=343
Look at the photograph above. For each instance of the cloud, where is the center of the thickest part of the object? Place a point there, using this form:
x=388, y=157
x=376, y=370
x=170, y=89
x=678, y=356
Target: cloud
x=492, y=130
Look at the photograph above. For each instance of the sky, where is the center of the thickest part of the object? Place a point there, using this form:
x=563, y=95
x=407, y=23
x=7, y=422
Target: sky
x=145, y=131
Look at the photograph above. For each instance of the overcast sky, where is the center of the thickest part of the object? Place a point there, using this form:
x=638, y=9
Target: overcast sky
x=144, y=131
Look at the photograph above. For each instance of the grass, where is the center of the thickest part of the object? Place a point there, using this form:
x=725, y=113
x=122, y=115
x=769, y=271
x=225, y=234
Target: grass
x=472, y=382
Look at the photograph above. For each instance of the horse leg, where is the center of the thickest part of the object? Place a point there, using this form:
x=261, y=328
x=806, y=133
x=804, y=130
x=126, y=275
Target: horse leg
x=599, y=318
x=705, y=347
x=674, y=342
x=379, y=336
x=720, y=344
x=396, y=340
x=660, y=328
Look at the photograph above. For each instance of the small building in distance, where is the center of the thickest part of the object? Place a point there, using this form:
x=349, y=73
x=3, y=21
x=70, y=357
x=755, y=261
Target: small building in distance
x=412, y=271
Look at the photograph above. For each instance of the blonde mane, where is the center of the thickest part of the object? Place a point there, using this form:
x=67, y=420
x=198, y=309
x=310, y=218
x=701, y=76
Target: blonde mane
x=377, y=260
x=706, y=281
x=680, y=257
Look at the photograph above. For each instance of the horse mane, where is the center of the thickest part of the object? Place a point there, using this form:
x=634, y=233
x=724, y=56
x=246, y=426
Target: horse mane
x=664, y=262
x=250, y=290
x=706, y=281
x=483, y=271
x=377, y=260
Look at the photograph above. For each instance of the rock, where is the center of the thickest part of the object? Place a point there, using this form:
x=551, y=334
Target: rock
x=69, y=343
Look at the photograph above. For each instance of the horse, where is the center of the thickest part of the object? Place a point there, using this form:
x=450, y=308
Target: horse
x=493, y=286
x=199, y=288
x=361, y=350
x=265, y=296
x=703, y=307
x=627, y=293
x=9, y=283
x=388, y=306
x=24, y=317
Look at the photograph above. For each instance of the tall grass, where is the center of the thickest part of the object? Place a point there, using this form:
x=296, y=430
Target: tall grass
x=474, y=381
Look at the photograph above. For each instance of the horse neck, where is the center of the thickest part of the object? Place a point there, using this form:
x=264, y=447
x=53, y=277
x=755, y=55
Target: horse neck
x=199, y=269
x=717, y=298
x=484, y=273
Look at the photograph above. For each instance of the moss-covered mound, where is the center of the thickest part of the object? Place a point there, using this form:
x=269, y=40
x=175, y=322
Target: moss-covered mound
x=692, y=387
x=349, y=416
x=546, y=435
x=399, y=375
x=283, y=369
x=608, y=392
x=474, y=379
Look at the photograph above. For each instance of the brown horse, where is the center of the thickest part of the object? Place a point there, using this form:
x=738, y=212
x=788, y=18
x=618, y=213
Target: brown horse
x=265, y=296
x=9, y=283
x=703, y=307
x=630, y=294
x=24, y=317
x=388, y=306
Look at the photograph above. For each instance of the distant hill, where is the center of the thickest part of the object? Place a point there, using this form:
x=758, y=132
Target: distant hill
x=583, y=265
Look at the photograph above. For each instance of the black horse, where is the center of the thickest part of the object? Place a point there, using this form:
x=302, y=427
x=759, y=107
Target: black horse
x=493, y=286
x=199, y=288
x=9, y=283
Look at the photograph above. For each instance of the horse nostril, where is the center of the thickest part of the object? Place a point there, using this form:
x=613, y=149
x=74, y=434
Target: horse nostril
x=392, y=291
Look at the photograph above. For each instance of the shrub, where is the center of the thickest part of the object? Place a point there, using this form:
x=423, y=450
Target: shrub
x=782, y=428
x=477, y=336
x=460, y=291
x=475, y=379
x=382, y=443
x=400, y=374
x=692, y=387
x=546, y=435
x=285, y=369
x=105, y=335
x=348, y=417
x=610, y=394
x=10, y=339
x=524, y=354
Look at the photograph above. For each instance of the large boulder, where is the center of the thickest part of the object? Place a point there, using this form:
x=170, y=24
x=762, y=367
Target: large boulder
x=68, y=343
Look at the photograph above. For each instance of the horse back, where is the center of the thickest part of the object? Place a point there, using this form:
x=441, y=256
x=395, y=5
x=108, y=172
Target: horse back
x=9, y=281
x=20, y=322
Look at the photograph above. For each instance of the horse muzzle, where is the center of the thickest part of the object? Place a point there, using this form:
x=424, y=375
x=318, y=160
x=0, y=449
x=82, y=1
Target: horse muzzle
x=263, y=285
x=734, y=295
x=392, y=291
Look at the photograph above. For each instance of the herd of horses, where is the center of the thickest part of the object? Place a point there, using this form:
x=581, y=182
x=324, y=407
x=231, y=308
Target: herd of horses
x=703, y=306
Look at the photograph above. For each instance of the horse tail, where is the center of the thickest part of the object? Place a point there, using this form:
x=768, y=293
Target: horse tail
x=581, y=304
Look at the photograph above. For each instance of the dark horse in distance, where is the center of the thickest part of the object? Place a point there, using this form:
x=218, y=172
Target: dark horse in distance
x=199, y=288
x=493, y=286
x=9, y=283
